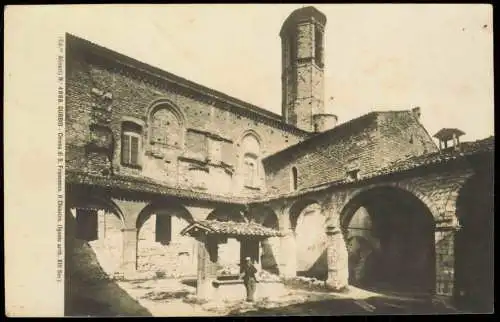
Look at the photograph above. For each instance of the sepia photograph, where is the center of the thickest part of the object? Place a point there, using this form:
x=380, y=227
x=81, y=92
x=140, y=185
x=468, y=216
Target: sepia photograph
x=284, y=159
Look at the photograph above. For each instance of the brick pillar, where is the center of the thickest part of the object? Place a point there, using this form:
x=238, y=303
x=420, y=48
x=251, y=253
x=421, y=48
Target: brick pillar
x=288, y=254
x=337, y=259
x=445, y=261
x=129, y=254
x=207, y=266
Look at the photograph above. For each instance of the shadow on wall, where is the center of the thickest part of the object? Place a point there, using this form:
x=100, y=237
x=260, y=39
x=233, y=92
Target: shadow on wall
x=318, y=270
x=269, y=262
x=88, y=291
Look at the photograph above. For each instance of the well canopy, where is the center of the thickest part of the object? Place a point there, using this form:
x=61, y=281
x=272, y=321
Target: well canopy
x=229, y=228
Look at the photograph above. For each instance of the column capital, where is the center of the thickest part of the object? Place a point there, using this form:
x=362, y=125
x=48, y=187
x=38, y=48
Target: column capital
x=287, y=232
x=447, y=224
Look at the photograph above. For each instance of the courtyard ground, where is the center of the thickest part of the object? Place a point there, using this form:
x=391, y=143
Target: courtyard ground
x=90, y=292
x=168, y=297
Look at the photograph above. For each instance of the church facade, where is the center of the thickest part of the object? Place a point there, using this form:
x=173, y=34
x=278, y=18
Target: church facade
x=372, y=202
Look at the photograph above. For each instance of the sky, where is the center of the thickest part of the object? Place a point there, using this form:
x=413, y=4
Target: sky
x=377, y=56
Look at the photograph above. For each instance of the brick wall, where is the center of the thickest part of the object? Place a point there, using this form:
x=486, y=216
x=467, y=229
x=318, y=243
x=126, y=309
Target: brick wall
x=303, y=83
x=368, y=143
x=131, y=94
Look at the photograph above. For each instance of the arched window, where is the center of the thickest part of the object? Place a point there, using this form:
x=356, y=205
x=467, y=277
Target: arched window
x=131, y=143
x=251, y=161
x=294, y=179
x=166, y=127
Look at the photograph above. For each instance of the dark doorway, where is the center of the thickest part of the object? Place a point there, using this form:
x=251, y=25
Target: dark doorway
x=390, y=239
x=474, y=254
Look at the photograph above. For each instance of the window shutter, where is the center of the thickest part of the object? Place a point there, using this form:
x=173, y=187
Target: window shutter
x=163, y=228
x=134, y=150
x=86, y=224
x=125, y=149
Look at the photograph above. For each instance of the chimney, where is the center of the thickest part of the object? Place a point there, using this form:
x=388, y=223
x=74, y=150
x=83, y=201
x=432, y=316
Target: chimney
x=416, y=112
x=446, y=135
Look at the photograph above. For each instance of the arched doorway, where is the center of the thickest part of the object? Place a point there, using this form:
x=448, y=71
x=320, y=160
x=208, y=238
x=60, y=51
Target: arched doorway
x=474, y=255
x=389, y=235
x=160, y=246
x=308, y=225
x=270, y=246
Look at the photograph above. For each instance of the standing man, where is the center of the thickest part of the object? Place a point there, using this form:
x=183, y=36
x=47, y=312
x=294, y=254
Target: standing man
x=249, y=278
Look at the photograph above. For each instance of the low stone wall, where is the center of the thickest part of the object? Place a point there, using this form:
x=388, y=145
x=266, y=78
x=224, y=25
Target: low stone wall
x=306, y=283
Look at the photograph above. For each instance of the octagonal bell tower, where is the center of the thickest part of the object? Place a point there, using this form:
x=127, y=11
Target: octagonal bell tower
x=302, y=41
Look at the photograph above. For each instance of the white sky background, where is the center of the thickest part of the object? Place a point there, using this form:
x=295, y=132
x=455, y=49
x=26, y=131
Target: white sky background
x=383, y=57
x=378, y=57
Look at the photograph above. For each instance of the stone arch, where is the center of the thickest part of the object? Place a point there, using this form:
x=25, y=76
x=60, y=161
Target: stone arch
x=101, y=232
x=96, y=203
x=389, y=232
x=264, y=215
x=457, y=190
x=228, y=213
x=308, y=223
x=397, y=185
x=160, y=246
x=252, y=133
x=298, y=206
x=163, y=205
x=166, y=103
x=169, y=107
x=230, y=249
x=269, y=247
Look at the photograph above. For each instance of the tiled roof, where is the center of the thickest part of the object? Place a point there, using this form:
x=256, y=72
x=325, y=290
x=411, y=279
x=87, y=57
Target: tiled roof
x=230, y=228
x=466, y=149
x=147, y=186
x=335, y=134
x=447, y=133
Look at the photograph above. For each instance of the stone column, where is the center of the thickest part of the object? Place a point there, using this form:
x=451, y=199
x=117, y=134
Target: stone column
x=288, y=254
x=445, y=260
x=207, y=266
x=337, y=258
x=129, y=251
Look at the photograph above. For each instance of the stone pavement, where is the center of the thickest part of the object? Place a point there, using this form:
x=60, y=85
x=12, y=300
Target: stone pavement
x=164, y=297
